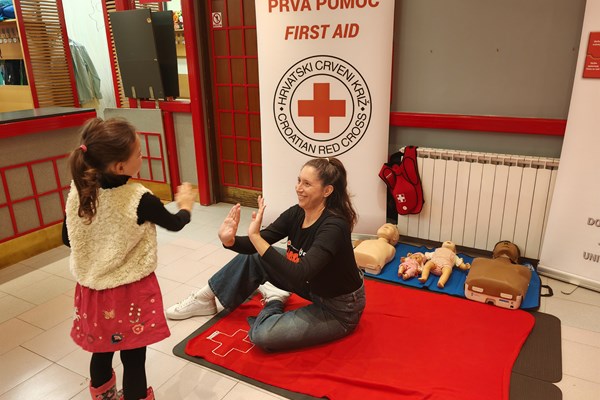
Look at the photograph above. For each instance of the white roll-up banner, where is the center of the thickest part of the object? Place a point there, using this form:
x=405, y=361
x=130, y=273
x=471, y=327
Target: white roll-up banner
x=325, y=70
x=571, y=246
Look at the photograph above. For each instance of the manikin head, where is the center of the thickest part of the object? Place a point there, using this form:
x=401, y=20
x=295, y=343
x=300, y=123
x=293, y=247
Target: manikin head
x=506, y=250
x=449, y=245
x=390, y=233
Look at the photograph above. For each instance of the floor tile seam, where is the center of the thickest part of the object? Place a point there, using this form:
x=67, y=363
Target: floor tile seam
x=597, y=305
x=209, y=253
x=583, y=343
x=18, y=298
x=24, y=380
x=44, y=302
x=58, y=362
x=70, y=317
x=578, y=377
x=22, y=345
x=31, y=324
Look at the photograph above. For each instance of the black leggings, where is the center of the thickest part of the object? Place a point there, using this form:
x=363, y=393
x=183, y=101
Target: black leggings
x=134, y=371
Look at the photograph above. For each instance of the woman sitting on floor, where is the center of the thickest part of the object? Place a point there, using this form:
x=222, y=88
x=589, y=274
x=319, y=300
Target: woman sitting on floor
x=318, y=265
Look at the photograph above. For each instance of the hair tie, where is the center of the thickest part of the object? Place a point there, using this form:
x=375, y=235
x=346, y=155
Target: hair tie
x=83, y=148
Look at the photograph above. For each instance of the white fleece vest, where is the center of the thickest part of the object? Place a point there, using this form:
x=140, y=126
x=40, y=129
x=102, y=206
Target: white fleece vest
x=113, y=250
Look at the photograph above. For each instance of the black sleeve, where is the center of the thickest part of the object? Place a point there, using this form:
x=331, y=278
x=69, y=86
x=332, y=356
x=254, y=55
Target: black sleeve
x=151, y=209
x=65, y=233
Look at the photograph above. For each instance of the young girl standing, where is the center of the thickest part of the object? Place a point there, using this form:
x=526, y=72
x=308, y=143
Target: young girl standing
x=111, y=228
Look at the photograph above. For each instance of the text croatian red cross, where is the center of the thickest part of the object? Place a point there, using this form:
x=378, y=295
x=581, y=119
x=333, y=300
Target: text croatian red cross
x=322, y=108
x=239, y=341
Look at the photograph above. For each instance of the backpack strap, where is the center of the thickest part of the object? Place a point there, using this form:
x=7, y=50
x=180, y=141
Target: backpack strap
x=388, y=172
x=388, y=175
x=410, y=166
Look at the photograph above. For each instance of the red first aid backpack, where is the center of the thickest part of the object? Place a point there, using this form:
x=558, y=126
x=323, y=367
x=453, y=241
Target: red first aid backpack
x=401, y=175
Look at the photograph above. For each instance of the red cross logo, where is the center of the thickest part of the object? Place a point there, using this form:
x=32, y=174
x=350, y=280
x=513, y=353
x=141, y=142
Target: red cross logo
x=239, y=341
x=321, y=108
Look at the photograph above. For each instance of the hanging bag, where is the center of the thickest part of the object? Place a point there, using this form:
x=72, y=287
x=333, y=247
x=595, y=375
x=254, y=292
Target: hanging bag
x=401, y=176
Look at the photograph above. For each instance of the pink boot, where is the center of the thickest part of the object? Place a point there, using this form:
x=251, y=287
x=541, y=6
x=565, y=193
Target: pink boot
x=149, y=394
x=108, y=391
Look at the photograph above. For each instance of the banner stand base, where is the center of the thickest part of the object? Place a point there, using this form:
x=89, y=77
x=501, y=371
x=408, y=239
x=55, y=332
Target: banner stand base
x=569, y=278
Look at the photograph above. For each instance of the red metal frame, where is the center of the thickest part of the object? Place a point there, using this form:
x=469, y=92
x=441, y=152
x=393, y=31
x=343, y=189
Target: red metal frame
x=171, y=144
x=168, y=106
x=175, y=106
x=194, y=78
x=531, y=126
x=149, y=157
x=36, y=125
x=122, y=5
x=25, y=45
x=10, y=202
x=147, y=104
x=133, y=103
x=233, y=136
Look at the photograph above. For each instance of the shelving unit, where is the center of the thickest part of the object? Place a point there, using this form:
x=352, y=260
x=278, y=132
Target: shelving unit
x=13, y=97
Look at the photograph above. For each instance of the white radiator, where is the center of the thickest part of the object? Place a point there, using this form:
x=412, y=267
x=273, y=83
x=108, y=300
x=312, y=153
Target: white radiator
x=478, y=199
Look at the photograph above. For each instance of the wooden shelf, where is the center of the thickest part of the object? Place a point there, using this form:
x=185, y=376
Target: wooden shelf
x=180, y=43
x=15, y=98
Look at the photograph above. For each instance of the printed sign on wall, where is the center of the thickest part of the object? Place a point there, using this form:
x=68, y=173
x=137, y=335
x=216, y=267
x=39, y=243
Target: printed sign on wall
x=325, y=84
x=591, y=69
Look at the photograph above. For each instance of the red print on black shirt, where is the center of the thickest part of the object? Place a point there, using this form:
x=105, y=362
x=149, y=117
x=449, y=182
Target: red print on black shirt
x=293, y=254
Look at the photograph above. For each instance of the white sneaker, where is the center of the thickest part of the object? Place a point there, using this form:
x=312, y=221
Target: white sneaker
x=270, y=292
x=192, y=307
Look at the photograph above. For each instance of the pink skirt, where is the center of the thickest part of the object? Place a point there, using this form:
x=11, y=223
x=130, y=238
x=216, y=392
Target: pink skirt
x=122, y=318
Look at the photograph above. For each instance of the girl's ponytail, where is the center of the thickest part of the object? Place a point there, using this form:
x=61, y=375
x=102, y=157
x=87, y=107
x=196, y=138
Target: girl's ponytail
x=102, y=143
x=87, y=182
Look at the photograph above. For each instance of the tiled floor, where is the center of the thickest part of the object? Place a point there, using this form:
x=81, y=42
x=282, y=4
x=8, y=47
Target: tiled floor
x=39, y=361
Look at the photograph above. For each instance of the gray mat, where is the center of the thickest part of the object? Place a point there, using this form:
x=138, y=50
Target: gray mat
x=525, y=388
x=541, y=355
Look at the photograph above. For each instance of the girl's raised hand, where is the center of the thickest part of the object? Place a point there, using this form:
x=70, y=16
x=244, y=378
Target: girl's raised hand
x=185, y=196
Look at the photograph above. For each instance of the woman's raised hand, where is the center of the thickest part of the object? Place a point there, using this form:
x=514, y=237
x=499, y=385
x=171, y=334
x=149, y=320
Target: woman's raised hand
x=229, y=227
x=257, y=216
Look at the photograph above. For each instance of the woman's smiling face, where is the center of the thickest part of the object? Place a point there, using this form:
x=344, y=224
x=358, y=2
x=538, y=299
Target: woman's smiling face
x=310, y=190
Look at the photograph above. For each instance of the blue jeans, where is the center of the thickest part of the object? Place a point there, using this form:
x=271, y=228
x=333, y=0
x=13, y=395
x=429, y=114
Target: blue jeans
x=324, y=320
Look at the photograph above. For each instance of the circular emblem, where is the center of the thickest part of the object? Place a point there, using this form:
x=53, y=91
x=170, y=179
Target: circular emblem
x=322, y=106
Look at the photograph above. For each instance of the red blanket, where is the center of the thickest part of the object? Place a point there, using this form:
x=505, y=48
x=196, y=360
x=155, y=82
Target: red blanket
x=410, y=344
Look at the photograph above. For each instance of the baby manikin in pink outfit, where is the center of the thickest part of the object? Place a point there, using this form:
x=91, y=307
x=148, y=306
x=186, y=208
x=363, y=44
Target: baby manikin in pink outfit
x=441, y=263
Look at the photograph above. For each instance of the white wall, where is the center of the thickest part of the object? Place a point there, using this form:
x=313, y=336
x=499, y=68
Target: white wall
x=85, y=25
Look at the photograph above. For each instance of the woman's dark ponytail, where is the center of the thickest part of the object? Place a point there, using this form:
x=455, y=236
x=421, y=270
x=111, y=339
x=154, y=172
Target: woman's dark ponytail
x=332, y=172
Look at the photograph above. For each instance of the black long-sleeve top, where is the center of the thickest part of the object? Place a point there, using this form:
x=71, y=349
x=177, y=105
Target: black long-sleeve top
x=320, y=255
x=150, y=209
